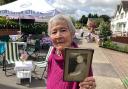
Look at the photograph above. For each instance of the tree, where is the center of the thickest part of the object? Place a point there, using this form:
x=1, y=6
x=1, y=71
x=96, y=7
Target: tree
x=83, y=20
x=90, y=15
x=6, y=1
x=106, y=18
x=105, y=31
x=1, y=2
x=95, y=16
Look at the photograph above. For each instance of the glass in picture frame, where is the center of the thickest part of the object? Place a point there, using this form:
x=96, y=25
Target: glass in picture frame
x=77, y=62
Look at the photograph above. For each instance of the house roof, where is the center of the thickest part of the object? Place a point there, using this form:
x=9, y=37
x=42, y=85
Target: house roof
x=124, y=5
x=117, y=9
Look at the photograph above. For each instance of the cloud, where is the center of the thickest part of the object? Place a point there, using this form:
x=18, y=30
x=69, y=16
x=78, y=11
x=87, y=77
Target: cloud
x=85, y=7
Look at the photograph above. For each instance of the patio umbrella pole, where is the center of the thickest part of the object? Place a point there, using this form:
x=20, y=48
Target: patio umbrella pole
x=20, y=23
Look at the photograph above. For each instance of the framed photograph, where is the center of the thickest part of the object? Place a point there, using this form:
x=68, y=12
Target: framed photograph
x=77, y=62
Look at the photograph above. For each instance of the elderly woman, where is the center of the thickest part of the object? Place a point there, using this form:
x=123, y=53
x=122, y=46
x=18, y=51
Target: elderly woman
x=61, y=32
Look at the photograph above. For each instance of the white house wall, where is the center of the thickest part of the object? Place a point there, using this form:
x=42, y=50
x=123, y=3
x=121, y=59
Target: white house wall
x=122, y=12
x=126, y=29
x=119, y=24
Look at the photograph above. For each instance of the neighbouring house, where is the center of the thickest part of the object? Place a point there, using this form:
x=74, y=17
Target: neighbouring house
x=91, y=24
x=119, y=22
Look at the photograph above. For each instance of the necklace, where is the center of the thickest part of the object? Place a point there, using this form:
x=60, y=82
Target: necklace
x=59, y=53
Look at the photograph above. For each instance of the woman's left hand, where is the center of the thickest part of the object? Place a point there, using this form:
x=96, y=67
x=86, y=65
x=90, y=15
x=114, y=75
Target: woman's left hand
x=88, y=83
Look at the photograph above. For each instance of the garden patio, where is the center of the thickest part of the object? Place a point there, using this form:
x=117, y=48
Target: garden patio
x=10, y=82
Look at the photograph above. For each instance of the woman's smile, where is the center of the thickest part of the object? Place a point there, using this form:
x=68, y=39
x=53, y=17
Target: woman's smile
x=60, y=41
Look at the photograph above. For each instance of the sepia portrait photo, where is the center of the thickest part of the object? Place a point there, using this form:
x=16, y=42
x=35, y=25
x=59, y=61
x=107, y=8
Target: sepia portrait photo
x=77, y=63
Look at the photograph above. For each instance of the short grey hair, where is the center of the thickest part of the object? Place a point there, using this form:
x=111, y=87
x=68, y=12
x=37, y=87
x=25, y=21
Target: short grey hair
x=63, y=18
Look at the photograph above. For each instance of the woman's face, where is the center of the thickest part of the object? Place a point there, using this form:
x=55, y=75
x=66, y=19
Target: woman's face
x=60, y=35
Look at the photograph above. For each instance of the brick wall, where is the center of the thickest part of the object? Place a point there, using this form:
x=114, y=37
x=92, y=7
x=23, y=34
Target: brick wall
x=8, y=32
x=120, y=39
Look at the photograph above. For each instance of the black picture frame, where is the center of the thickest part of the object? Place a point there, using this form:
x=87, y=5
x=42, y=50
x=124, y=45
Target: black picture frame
x=77, y=62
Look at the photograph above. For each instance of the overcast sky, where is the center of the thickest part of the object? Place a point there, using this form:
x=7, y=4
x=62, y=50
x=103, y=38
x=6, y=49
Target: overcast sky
x=83, y=7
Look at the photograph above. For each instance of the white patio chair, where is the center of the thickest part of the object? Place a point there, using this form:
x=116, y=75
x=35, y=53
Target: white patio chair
x=43, y=63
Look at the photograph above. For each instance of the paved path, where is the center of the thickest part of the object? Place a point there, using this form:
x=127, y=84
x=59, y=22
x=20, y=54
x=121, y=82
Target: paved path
x=105, y=73
x=108, y=67
x=120, y=63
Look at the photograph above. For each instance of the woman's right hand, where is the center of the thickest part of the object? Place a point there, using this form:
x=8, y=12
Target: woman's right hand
x=88, y=83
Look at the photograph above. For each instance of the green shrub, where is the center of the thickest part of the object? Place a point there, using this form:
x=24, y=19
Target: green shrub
x=109, y=44
x=30, y=28
x=115, y=46
x=8, y=23
x=36, y=28
x=105, y=31
x=126, y=48
x=121, y=49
